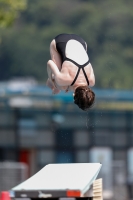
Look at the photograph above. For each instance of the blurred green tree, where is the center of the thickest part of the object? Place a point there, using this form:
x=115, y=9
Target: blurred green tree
x=9, y=10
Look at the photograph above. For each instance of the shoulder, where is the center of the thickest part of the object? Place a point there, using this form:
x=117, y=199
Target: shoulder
x=92, y=76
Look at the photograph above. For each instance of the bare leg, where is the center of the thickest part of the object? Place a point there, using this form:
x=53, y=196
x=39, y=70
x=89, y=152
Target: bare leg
x=55, y=56
x=50, y=81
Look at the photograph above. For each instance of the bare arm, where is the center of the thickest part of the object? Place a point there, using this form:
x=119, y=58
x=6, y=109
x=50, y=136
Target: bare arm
x=62, y=79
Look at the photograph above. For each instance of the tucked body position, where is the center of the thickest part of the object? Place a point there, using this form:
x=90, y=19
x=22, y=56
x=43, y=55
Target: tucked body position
x=70, y=70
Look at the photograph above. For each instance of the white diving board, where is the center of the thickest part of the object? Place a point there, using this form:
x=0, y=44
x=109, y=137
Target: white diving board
x=59, y=180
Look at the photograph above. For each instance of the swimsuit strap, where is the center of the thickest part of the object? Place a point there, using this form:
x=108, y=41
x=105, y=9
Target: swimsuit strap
x=79, y=67
x=75, y=77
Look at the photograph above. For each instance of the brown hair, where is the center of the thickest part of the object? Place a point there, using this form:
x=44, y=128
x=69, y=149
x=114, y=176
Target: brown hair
x=84, y=97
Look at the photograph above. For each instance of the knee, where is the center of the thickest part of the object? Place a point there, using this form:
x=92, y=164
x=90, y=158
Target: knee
x=49, y=63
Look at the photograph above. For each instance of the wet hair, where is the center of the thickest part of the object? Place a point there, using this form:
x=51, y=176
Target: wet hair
x=84, y=97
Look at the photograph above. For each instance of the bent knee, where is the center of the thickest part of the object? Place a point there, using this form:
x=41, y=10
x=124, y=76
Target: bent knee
x=50, y=62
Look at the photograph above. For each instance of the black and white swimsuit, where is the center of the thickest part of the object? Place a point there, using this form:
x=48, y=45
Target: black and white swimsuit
x=72, y=48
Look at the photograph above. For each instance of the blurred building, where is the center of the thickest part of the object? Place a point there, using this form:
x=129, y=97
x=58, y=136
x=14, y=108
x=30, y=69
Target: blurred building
x=38, y=128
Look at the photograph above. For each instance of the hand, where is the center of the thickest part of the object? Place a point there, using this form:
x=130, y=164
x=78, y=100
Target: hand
x=55, y=91
x=50, y=84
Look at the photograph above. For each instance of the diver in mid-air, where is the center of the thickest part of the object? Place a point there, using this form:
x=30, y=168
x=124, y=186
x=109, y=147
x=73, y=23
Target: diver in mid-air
x=69, y=69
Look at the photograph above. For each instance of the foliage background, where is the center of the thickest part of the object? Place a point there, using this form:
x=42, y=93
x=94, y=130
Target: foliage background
x=106, y=26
